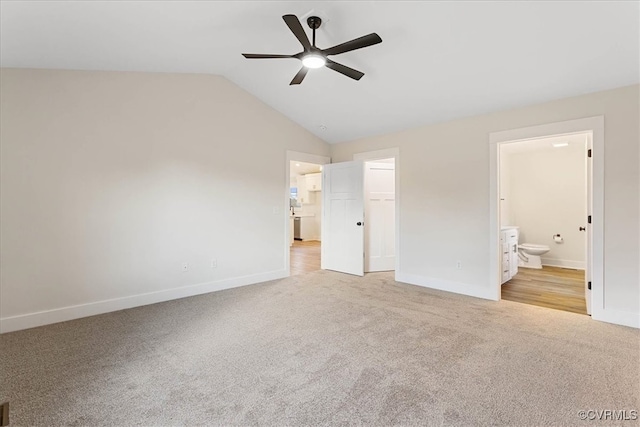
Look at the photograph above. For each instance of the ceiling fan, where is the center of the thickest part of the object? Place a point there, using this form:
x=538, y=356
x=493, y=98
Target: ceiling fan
x=312, y=57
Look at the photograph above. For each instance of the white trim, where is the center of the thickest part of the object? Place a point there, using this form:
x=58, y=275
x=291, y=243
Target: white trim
x=32, y=320
x=595, y=125
x=472, y=290
x=295, y=156
x=617, y=317
x=389, y=153
x=564, y=263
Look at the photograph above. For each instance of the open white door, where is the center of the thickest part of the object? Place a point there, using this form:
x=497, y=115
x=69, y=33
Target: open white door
x=343, y=217
x=589, y=237
x=380, y=206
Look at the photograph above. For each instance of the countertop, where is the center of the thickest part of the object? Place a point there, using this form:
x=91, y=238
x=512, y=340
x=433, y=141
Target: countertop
x=302, y=215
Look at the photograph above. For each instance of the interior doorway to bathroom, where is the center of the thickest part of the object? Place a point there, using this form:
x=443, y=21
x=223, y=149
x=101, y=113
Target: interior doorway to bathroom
x=544, y=211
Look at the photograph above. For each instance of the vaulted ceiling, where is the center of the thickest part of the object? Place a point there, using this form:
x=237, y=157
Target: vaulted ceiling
x=438, y=60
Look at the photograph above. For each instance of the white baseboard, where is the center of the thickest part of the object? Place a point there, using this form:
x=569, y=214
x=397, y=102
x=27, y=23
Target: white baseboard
x=624, y=318
x=32, y=320
x=566, y=263
x=446, y=285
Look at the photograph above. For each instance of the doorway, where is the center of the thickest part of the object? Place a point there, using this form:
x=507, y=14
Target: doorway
x=305, y=216
x=543, y=221
x=360, y=214
x=381, y=248
x=382, y=240
x=593, y=127
x=303, y=198
x=379, y=214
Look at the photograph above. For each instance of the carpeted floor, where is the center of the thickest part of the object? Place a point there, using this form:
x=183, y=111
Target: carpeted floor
x=322, y=349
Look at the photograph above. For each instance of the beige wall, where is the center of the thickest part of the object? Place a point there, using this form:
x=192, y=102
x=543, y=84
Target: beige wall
x=444, y=194
x=111, y=181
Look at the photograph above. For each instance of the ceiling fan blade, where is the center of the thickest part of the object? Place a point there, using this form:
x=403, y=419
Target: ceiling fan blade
x=299, y=77
x=359, y=43
x=343, y=69
x=296, y=28
x=264, y=56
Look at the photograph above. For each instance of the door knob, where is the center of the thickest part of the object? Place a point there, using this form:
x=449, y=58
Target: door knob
x=582, y=228
x=358, y=223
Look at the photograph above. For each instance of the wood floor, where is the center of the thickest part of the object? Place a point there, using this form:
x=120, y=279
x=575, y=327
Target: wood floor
x=551, y=287
x=305, y=256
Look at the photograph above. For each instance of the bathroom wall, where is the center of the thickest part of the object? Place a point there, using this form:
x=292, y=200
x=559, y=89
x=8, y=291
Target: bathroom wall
x=544, y=193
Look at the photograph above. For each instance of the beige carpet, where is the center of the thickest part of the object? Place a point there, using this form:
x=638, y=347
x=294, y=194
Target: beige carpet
x=322, y=349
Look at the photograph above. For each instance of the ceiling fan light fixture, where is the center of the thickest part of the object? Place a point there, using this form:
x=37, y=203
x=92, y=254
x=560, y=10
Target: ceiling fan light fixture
x=311, y=56
x=313, y=60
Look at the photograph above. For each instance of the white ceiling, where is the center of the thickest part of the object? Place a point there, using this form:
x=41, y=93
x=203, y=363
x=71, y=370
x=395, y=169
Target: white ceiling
x=302, y=168
x=438, y=60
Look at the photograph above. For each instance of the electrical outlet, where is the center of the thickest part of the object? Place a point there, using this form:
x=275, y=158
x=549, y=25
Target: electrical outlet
x=185, y=267
x=458, y=265
x=214, y=263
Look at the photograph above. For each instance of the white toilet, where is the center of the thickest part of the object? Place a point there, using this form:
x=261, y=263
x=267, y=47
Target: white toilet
x=529, y=255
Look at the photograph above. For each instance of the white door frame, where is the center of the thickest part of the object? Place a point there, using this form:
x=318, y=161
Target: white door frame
x=389, y=153
x=295, y=156
x=594, y=125
x=588, y=264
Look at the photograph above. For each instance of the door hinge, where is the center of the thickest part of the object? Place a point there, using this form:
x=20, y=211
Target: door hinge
x=589, y=152
x=589, y=285
x=589, y=219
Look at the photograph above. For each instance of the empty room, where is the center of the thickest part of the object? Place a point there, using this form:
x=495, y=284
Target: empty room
x=319, y=213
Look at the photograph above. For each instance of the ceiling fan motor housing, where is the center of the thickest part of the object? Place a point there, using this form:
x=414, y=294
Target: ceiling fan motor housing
x=314, y=22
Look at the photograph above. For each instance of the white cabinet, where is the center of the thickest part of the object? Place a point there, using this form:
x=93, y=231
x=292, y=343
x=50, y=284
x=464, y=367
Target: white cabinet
x=509, y=253
x=306, y=184
x=308, y=228
x=314, y=181
x=303, y=193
